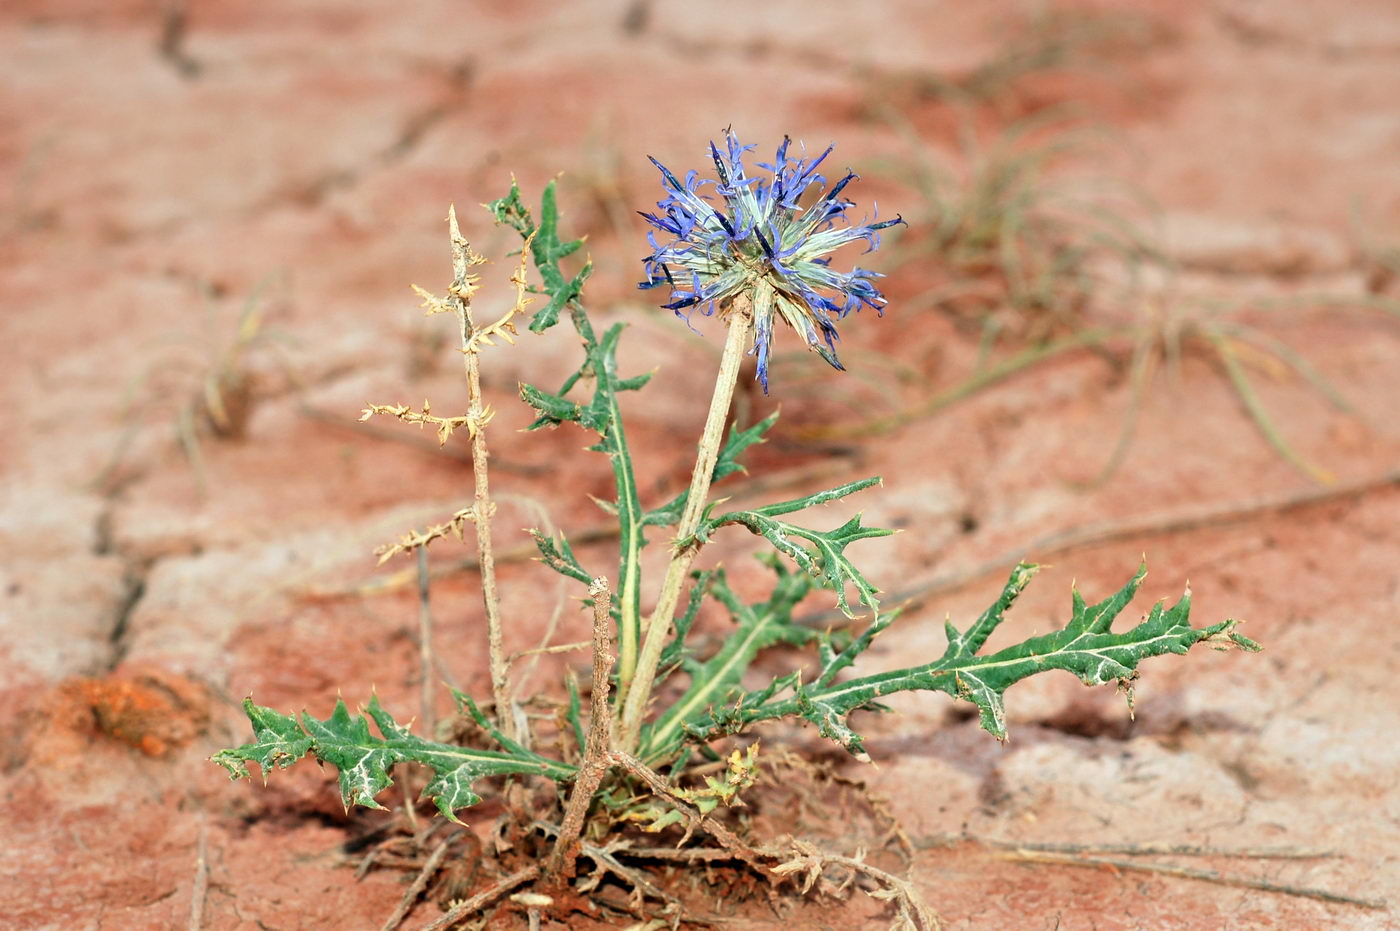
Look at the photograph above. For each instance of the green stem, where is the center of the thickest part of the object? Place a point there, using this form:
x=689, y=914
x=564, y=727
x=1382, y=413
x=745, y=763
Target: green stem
x=637, y=692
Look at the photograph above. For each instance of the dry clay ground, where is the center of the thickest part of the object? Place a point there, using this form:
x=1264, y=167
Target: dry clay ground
x=155, y=172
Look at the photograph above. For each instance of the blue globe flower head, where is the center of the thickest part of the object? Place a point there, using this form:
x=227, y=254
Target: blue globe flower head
x=752, y=236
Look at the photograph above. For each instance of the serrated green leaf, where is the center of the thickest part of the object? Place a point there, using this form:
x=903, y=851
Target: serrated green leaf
x=831, y=724
x=553, y=408
x=825, y=557
x=600, y=412
x=546, y=250
x=833, y=662
x=363, y=760
x=635, y=384
x=1085, y=646
x=278, y=742
x=560, y=557
x=674, y=653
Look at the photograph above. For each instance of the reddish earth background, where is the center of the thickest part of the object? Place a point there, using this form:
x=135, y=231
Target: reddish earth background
x=156, y=168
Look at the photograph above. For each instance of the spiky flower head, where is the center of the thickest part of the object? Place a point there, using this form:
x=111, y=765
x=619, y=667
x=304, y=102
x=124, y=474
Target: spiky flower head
x=755, y=239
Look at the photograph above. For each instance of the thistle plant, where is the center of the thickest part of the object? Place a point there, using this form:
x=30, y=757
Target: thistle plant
x=755, y=254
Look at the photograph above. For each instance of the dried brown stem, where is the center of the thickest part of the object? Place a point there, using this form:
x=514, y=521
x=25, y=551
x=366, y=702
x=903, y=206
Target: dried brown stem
x=459, y=298
x=599, y=741
x=810, y=861
x=635, y=686
x=1138, y=850
x=462, y=909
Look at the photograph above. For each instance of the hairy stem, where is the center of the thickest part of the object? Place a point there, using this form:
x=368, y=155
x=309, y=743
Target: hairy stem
x=595, y=757
x=637, y=692
x=458, y=295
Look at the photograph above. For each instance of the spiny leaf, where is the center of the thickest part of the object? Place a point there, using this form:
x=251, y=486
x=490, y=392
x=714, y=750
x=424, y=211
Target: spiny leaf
x=636, y=383
x=560, y=557
x=825, y=558
x=831, y=724
x=1085, y=646
x=278, y=742
x=546, y=249
x=363, y=760
x=833, y=662
x=553, y=408
x=601, y=412
x=674, y=653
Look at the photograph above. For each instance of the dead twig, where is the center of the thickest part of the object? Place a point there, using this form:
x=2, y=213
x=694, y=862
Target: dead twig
x=1186, y=872
x=557, y=648
x=682, y=854
x=595, y=754
x=606, y=859
x=599, y=533
x=459, y=300
x=420, y=882
x=413, y=440
x=462, y=909
x=201, y=876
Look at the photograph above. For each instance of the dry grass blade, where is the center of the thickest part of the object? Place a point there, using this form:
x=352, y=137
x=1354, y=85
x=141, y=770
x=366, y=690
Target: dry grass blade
x=984, y=379
x=1229, y=358
x=426, y=661
x=595, y=756
x=1135, y=850
x=1186, y=872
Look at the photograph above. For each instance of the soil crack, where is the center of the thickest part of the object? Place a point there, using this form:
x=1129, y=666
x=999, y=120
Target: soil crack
x=136, y=570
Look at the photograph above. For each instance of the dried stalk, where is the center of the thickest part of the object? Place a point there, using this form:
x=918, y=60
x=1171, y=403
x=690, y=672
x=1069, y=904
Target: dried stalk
x=459, y=298
x=636, y=688
x=599, y=742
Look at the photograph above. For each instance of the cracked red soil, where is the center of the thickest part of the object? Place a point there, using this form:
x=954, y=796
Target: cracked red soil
x=148, y=185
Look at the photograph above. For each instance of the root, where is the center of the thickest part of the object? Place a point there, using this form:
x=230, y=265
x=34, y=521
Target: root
x=811, y=863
